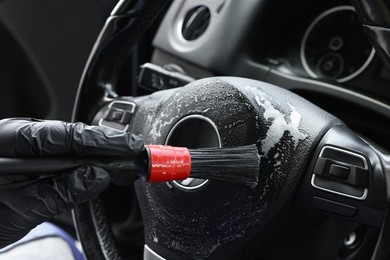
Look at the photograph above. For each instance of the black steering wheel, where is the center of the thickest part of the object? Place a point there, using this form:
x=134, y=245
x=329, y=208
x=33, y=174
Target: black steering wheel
x=309, y=158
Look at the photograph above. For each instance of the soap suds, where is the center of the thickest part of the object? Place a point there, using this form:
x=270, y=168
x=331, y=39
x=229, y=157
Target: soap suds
x=278, y=124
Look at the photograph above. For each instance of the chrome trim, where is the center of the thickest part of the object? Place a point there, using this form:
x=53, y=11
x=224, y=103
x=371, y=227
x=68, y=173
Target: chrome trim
x=365, y=191
x=360, y=70
x=307, y=32
x=100, y=123
x=173, y=129
x=123, y=102
x=177, y=30
x=347, y=152
x=149, y=254
x=363, y=197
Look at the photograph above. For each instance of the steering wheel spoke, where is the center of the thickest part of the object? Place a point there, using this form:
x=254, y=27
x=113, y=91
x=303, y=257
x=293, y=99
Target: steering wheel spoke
x=117, y=114
x=346, y=179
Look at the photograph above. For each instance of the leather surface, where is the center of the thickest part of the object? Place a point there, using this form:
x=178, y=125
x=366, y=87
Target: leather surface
x=216, y=220
x=122, y=31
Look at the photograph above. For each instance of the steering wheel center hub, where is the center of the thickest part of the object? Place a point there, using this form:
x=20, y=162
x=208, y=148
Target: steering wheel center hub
x=193, y=131
x=224, y=112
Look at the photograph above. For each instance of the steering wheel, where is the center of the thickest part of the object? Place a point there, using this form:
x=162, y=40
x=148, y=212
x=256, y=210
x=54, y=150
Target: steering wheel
x=309, y=158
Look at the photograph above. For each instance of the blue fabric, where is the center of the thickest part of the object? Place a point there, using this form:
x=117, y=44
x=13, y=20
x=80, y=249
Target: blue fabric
x=47, y=230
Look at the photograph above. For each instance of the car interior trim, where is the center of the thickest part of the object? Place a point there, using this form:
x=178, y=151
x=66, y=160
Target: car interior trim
x=372, y=103
x=313, y=179
x=310, y=28
x=149, y=254
x=363, y=197
x=212, y=124
x=347, y=152
x=365, y=167
x=100, y=123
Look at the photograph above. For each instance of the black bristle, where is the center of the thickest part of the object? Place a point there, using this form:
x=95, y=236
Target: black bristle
x=236, y=164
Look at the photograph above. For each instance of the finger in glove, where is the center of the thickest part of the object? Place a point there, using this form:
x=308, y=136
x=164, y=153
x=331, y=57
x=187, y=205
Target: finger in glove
x=32, y=137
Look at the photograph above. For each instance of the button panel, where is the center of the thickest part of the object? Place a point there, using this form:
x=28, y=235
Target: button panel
x=345, y=178
x=119, y=115
x=341, y=172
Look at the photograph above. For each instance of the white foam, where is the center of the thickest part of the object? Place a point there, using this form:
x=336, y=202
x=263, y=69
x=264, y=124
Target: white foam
x=187, y=181
x=279, y=125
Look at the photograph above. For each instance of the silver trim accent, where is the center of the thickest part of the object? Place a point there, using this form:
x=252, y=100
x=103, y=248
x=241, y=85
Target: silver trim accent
x=185, y=44
x=154, y=255
x=309, y=29
x=365, y=191
x=172, y=130
x=363, y=197
x=100, y=123
x=347, y=152
x=179, y=27
x=173, y=37
x=123, y=102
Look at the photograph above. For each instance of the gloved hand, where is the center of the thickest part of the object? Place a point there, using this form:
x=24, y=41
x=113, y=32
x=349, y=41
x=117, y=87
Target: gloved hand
x=26, y=201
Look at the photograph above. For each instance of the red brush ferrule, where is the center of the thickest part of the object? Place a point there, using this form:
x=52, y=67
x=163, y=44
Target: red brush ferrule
x=168, y=163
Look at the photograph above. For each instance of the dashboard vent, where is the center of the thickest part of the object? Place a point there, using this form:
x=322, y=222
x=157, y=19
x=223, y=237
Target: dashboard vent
x=195, y=22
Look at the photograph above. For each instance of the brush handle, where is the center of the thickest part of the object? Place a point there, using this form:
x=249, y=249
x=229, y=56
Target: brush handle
x=50, y=166
x=160, y=163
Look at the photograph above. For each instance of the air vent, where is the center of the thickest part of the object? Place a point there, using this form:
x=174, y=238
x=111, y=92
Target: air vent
x=195, y=22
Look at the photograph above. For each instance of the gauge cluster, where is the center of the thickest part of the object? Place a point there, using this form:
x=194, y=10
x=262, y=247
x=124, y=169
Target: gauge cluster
x=327, y=44
x=334, y=46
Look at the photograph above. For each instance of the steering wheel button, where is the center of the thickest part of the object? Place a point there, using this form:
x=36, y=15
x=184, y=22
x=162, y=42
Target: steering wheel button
x=344, y=156
x=115, y=115
x=126, y=118
x=339, y=171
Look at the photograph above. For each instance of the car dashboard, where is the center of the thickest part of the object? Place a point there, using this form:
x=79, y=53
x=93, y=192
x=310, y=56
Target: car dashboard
x=315, y=49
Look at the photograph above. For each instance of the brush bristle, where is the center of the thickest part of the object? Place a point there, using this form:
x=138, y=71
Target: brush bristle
x=235, y=164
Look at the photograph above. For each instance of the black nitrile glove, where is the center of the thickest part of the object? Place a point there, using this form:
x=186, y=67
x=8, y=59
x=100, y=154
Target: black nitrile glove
x=26, y=201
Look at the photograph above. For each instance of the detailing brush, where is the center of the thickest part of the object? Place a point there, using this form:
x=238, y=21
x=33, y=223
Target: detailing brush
x=159, y=163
